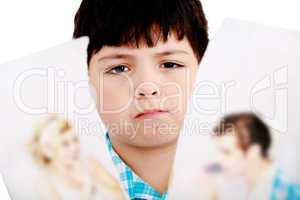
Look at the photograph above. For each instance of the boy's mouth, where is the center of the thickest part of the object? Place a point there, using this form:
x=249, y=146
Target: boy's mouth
x=149, y=113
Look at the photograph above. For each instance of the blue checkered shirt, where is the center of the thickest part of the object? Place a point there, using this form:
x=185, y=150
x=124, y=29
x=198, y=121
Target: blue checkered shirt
x=136, y=188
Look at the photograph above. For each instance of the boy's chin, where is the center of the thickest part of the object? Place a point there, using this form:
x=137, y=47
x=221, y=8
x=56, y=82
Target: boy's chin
x=150, y=139
x=162, y=131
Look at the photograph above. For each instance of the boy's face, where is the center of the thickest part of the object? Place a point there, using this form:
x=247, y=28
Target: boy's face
x=142, y=93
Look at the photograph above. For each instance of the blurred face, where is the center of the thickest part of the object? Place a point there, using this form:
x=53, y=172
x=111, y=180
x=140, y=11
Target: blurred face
x=230, y=155
x=69, y=147
x=142, y=92
x=61, y=146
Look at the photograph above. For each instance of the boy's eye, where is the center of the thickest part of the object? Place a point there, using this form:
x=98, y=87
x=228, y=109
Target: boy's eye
x=118, y=69
x=171, y=65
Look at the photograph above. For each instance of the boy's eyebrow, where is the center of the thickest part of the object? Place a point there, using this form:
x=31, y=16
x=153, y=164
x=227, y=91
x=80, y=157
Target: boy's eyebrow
x=115, y=56
x=170, y=52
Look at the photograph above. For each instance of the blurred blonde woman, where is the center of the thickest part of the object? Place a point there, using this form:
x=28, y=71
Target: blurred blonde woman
x=65, y=174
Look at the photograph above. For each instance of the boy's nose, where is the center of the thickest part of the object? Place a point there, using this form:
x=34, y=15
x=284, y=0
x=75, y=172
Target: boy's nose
x=147, y=90
x=145, y=94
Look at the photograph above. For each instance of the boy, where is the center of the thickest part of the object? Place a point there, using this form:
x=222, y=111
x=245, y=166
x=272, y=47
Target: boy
x=143, y=58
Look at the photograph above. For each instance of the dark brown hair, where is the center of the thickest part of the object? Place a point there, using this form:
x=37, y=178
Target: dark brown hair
x=128, y=22
x=248, y=128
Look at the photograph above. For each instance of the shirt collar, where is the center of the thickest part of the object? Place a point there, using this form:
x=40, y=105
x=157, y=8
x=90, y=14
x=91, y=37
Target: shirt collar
x=133, y=184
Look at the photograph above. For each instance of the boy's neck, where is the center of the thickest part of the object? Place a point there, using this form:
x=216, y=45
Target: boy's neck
x=153, y=165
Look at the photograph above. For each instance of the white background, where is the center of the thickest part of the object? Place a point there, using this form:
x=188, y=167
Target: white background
x=33, y=25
